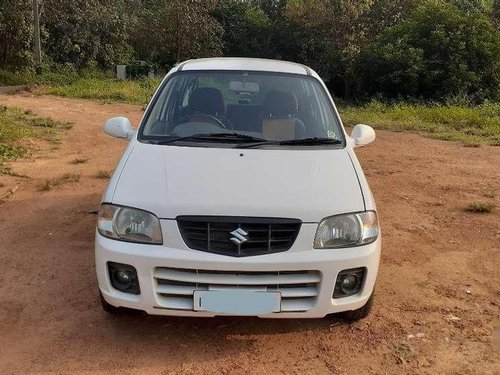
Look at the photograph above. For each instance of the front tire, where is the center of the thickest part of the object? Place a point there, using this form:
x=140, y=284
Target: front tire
x=358, y=314
x=110, y=309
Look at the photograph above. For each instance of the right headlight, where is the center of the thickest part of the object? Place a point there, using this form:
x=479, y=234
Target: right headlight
x=347, y=230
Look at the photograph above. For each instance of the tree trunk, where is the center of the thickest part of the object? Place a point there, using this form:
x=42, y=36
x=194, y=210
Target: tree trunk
x=38, y=48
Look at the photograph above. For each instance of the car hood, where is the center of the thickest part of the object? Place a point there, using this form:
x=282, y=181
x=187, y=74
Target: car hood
x=306, y=184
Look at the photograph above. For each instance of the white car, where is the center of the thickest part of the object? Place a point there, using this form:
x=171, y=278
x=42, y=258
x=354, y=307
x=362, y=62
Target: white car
x=239, y=194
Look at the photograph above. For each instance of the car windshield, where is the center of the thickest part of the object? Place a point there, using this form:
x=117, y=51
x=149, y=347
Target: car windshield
x=242, y=107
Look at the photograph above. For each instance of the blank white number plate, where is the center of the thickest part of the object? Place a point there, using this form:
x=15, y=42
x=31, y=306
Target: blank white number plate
x=237, y=302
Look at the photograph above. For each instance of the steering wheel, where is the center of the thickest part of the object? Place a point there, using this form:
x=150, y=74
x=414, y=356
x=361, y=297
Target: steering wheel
x=214, y=120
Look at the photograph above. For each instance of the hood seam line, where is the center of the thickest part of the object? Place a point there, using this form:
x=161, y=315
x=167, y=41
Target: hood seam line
x=359, y=182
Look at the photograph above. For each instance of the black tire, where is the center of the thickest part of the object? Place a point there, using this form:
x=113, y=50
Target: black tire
x=361, y=313
x=110, y=309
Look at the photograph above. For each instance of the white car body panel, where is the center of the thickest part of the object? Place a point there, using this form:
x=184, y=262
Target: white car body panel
x=235, y=63
x=175, y=181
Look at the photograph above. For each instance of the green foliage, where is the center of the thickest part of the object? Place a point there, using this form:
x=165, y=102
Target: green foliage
x=171, y=31
x=17, y=124
x=437, y=52
x=473, y=6
x=466, y=124
x=85, y=33
x=496, y=10
x=15, y=33
x=247, y=29
x=332, y=35
x=16, y=78
x=424, y=49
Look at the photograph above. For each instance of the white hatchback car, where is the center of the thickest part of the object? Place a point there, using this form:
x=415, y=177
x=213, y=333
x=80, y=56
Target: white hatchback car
x=239, y=194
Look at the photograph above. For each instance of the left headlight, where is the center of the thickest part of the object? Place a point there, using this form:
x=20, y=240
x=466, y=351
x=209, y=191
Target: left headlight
x=347, y=230
x=129, y=224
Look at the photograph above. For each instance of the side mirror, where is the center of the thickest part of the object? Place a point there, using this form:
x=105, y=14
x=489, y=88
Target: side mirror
x=119, y=127
x=362, y=135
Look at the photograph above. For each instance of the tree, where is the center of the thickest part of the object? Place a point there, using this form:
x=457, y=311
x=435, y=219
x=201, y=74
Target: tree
x=496, y=10
x=16, y=31
x=332, y=35
x=85, y=33
x=385, y=13
x=247, y=29
x=473, y=6
x=169, y=31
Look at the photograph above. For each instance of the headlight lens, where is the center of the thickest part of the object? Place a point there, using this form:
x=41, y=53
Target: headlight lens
x=347, y=230
x=129, y=224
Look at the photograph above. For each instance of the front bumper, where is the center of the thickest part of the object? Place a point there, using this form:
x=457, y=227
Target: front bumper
x=175, y=256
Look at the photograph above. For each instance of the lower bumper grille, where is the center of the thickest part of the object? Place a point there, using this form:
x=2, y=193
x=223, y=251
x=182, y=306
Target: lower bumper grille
x=175, y=287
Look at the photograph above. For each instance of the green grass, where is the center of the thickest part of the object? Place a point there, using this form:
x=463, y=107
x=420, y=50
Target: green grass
x=109, y=90
x=8, y=78
x=17, y=125
x=86, y=84
x=470, y=125
x=52, y=183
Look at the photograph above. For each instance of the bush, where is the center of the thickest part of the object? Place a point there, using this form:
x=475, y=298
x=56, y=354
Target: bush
x=437, y=52
x=8, y=78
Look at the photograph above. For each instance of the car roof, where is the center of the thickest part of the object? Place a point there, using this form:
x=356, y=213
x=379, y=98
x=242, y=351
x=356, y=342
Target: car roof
x=247, y=64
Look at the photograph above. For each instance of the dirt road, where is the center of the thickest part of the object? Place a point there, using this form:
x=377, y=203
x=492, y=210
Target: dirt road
x=439, y=278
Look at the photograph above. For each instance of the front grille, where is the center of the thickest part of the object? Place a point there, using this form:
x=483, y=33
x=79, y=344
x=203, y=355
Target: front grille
x=175, y=287
x=214, y=234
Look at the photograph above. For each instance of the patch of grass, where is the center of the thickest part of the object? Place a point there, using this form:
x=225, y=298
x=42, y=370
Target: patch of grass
x=9, y=172
x=71, y=177
x=48, y=184
x=8, y=152
x=103, y=174
x=79, y=161
x=108, y=89
x=479, y=207
x=8, y=78
x=52, y=183
x=403, y=352
x=86, y=84
x=16, y=125
x=469, y=125
x=472, y=145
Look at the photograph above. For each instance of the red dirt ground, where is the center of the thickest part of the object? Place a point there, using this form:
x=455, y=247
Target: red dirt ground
x=439, y=276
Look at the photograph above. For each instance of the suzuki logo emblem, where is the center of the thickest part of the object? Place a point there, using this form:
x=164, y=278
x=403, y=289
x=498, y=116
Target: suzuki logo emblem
x=239, y=236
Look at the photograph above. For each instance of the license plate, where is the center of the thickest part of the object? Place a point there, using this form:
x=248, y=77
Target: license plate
x=237, y=302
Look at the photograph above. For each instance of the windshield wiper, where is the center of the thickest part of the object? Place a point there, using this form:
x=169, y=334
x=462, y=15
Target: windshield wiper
x=235, y=136
x=226, y=137
x=311, y=141
x=248, y=141
x=294, y=142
